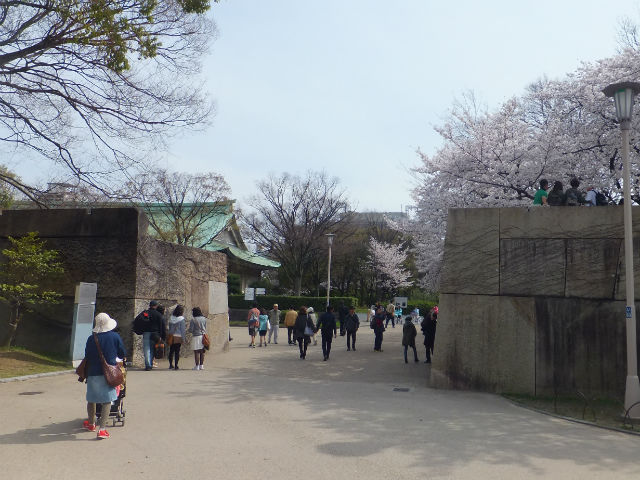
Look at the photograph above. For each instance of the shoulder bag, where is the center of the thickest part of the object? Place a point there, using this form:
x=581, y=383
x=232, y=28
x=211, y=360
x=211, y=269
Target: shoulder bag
x=112, y=373
x=206, y=342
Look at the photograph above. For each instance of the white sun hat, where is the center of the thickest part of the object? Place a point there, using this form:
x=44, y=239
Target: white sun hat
x=104, y=323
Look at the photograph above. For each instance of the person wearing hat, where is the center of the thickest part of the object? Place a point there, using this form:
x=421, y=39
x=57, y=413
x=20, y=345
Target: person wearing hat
x=274, y=319
x=151, y=325
x=98, y=390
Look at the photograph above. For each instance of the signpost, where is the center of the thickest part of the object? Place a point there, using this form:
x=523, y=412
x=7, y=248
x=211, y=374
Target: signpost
x=84, y=307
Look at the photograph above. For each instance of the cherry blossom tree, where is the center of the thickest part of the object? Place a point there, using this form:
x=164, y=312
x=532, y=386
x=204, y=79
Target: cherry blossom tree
x=558, y=129
x=386, y=261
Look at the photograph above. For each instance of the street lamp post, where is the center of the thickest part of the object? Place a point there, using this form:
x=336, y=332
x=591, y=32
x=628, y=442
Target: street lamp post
x=623, y=95
x=330, y=241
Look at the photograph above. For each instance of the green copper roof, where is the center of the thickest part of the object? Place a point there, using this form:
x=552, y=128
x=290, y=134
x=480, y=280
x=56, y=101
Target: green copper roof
x=242, y=254
x=221, y=215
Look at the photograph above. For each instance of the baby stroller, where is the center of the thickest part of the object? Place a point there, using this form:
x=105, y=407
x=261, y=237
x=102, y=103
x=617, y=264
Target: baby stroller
x=117, y=412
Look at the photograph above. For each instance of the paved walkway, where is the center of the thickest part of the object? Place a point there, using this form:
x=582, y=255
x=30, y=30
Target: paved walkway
x=263, y=413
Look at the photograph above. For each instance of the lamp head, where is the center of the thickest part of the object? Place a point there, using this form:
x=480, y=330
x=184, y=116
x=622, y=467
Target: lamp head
x=330, y=238
x=623, y=94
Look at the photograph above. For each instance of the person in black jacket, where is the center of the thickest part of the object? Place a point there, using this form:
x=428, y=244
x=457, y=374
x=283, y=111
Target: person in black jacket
x=327, y=325
x=150, y=324
x=351, y=325
x=428, y=327
x=302, y=331
x=377, y=323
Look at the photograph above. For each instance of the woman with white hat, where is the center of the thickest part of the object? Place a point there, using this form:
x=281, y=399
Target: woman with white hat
x=98, y=390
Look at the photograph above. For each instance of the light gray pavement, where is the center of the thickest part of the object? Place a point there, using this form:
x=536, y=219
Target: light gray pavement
x=264, y=413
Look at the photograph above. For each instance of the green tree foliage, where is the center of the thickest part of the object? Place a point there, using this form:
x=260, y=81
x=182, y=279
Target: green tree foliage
x=28, y=267
x=93, y=85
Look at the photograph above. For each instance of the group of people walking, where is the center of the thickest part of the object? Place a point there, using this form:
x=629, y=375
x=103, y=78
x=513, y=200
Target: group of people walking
x=409, y=334
x=155, y=331
x=303, y=326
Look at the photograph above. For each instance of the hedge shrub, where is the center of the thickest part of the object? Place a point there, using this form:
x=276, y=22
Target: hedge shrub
x=424, y=307
x=284, y=302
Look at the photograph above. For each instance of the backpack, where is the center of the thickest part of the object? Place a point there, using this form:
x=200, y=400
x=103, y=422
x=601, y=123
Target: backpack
x=158, y=352
x=140, y=322
x=572, y=198
x=253, y=321
x=601, y=200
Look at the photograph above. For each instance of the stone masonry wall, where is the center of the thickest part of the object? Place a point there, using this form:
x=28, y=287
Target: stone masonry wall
x=173, y=274
x=109, y=246
x=532, y=299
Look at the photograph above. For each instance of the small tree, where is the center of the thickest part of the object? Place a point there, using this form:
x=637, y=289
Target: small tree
x=28, y=265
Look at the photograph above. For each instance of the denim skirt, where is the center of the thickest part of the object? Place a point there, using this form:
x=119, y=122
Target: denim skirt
x=99, y=391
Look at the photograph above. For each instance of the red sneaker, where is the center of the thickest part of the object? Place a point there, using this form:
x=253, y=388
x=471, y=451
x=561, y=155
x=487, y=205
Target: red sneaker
x=103, y=434
x=89, y=426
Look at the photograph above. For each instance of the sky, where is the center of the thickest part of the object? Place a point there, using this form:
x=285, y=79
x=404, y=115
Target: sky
x=355, y=87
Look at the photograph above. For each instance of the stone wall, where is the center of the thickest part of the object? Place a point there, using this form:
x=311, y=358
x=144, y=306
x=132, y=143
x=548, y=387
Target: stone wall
x=532, y=299
x=173, y=274
x=109, y=246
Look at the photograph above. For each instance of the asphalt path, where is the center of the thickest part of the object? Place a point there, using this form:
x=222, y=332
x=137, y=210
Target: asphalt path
x=264, y=413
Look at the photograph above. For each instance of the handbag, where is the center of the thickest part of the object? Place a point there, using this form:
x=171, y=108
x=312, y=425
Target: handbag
x=112, y=373
x=206, y=343
x=81, y=371
x=170, y=339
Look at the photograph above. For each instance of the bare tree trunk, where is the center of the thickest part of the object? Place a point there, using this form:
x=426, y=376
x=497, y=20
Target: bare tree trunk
x=14, y=320
x=298, y=286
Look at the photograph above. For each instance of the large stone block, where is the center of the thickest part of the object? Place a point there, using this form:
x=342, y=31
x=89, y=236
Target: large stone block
x=471, y=252
x=580, y=346
x=487, y=342
x=592, y=267
x=532, y=267
x=564, y=222
x=620, y=291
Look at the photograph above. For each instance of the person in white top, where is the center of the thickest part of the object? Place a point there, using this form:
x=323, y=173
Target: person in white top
x=176, y=335
x=590, y=199
x=312, y=316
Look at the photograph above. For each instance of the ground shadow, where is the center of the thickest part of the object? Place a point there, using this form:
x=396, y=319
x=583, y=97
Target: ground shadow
x=70, y=430
x=439, y=428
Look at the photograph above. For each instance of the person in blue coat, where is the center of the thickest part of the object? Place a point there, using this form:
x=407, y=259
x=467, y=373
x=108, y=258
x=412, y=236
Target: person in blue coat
x=98, y=390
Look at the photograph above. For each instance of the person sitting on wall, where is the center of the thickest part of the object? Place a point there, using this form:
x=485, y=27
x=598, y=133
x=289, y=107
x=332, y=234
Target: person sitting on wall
x=556, y=195
x=573, y=197
x=540, y=197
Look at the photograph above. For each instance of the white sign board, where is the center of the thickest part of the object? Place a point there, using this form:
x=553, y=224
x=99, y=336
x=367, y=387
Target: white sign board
x=400, y=302
x=250, y=294
x=218, y=297
x=260, y=291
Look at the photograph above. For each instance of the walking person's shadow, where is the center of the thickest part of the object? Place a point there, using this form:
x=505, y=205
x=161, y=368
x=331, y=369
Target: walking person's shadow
x=54, y=432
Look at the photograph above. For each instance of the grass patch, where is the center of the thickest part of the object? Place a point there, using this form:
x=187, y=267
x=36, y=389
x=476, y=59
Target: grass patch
x=17, y=362
x=605, y=412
